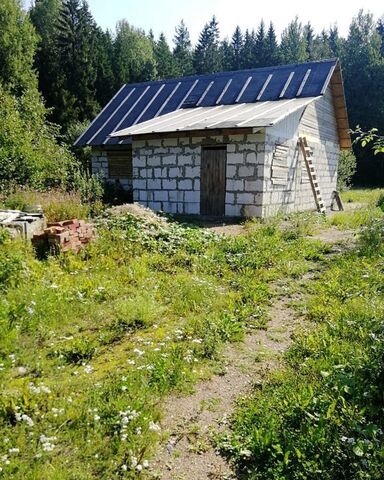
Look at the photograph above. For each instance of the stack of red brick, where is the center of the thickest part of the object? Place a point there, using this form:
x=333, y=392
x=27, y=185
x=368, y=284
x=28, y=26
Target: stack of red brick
x=66, y=235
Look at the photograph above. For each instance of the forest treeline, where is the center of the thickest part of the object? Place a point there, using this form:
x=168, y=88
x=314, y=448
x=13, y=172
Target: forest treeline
x=78, y=66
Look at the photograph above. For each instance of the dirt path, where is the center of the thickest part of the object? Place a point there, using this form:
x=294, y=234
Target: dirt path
x=191, y=420
x=188, y=453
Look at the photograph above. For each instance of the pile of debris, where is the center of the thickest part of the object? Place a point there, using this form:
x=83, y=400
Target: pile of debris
x=64, y=236
x=22, y=224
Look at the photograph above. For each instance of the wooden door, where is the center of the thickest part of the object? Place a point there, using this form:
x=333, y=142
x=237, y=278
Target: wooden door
x=212, y=180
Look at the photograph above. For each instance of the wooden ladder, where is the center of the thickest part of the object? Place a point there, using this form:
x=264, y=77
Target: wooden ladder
x=307, y=154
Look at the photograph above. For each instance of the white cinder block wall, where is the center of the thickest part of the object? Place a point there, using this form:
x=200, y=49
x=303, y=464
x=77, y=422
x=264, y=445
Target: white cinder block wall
x=166, y=173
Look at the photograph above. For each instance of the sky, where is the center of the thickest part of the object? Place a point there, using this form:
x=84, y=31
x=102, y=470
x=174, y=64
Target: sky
x=164, y=15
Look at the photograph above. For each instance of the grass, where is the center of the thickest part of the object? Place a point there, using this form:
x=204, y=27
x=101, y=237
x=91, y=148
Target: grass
x=322, y=416
x=90, y=344
x=56, y=204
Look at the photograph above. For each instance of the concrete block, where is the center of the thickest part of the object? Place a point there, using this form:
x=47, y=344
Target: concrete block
x=154, y=184
x=184, y=160
x=184, y=184
x=169, y=184
x=251, y=157
x=192, y=196
x=176, y=196
x=245, y=198
x=231, y=148
x=139, y=161
x=231, y=171
x=192, y=208
x=252, y=211
x=253, y=186
x=161, y=196
x=192, y=172
x=246, y=171
x=156, y=206
x=233, y=210
x=139, y=184
x=235, y=185
x=169, y=159
x=196, y=184
x=173, y=172
x=235, y=158
x=230, y=198
x=154, y=161
x=183, y=141
x=170, y=142
x=138, y=144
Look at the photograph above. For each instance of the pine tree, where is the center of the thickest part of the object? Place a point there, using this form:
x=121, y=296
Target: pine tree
x=105, y=80
x=292, y=45
x=248, y=59
x=260, y=51
x=380, y=31
x=335, y=43
x=227, y=56
x=321, y=47
x=206, y=57
x=182, y=51
x=309, y=37
x=76, y=42
x=164, y=59
x=236, y=49
x=272, y=48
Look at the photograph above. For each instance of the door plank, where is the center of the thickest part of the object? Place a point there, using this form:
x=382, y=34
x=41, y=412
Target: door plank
x=213, y=180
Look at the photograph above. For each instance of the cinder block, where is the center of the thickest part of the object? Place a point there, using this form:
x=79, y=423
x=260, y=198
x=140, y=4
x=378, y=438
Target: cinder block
x=231, y=148
x=138, y=144
x=184, y=159
x=174, y=172
x=251, y=157
x=154, y=184
x=253, y=186
x=192, y=208
x=192, y=172
x=169, y=160
x=252, y=211
x=169, y=184
x=154, y=161
x=230, y=198
x=139, y=161
x=176, y=196
x=192, y=196
x=184, y=184
x=161, y=196
x=235, y=185
x=233, y=210
x=246, y=171
x=231, y=171
x=235, y=158
x=170, y=142
x=139, y=184
x=196, y=185
x=245, y=198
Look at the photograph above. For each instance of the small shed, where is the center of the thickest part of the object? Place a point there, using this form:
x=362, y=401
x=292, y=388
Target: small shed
x=245, y=143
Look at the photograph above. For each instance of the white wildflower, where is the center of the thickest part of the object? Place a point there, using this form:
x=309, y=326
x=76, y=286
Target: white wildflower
x=138, y=352
x=154, y=427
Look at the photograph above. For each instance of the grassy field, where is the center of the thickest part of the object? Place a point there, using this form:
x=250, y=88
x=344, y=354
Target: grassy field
x=90, y=344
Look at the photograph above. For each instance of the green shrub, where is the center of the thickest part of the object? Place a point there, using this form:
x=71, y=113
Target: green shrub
x=346, y=169
x=29, y=152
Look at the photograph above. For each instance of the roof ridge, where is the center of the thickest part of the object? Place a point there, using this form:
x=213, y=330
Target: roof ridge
x=232, y=72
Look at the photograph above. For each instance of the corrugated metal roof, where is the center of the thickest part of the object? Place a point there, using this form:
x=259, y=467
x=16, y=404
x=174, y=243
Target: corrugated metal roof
x=242, y=115
x=137, y=103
